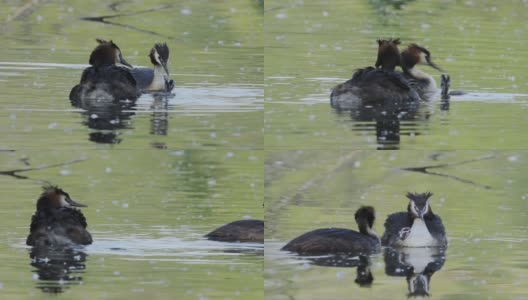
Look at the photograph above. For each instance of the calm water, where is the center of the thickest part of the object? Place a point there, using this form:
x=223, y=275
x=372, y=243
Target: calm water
x=157, y=174
x=249, y=133
x=216, y=60
x=316, y=45
x=480, y=195
x=147, y=212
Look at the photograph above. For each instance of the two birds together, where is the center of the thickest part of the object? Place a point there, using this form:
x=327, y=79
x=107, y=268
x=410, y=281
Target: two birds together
x=110, y=76
x=417, y=227
x=58, y=223
x=383, y=84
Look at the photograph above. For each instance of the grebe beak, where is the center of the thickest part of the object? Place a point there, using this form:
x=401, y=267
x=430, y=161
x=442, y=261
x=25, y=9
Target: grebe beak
x=75, y=204
x=434, y=66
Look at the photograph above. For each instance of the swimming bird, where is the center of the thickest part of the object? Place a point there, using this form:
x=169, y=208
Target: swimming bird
x=244, y=231
x=417, y=227
x=108, y=77
x=376, y=86
x=57, y=223
x=153, y=79
x=423, y=83
x=339, y=240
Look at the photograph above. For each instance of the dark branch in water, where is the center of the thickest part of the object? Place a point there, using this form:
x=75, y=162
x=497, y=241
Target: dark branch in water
x=13, y=173
x=133, y=13
x=128, y=27
x=103, y=19
x=424, y=170
x=487, y=187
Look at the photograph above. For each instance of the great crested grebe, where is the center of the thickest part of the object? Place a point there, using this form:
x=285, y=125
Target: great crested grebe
x=153, y=79
x=107, y=78
x=417, y=227
x=57, y=222
x=420, y=81
x=376, y=86
x=243, y=231
x=339, y=240
x=381, y=86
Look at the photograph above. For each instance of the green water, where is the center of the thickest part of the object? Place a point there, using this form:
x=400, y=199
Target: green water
x=216, y=60
x=316, y=45
x=320, y=166
x=482, y=204
x=147, y=212
x=157, y=174
x=249, y=133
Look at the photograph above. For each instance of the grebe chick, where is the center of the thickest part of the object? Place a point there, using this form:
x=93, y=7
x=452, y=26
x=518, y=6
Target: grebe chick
x=376, y=86
x=339, y=240
x=57, y=222
x=106, y=78
x=388, y=54
x=153, y=79
x=417, y=227
x=243, y=231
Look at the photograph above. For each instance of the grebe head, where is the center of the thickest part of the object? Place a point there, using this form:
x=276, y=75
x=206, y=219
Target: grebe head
x=106, y=54
x=419, y=205
x=388, y=54
x=414, y=55
x=365, y=217
x=159, y=56
x=54, y=197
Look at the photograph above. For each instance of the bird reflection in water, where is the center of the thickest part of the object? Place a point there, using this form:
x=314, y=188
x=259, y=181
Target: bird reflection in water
x=387, y=120
x=417, y=265
x=57, y=269
x=106, y=118
x=362, y=263
x=389, y=116
x=159, y=122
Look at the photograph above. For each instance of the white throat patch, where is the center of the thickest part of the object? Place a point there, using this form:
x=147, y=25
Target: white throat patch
x=63, y=201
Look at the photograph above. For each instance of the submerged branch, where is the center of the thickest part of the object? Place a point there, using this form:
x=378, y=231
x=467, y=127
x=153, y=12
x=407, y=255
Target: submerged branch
x=13, y=173
x=445, y=165
x=133, y=13
x=424, y=170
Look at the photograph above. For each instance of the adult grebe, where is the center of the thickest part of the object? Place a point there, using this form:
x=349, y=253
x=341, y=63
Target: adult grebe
x=417, y=227
x=56, y=222
x=340, y=240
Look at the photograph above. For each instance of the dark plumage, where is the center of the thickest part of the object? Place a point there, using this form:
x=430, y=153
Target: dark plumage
x=247, y=231
x=388, y=54
x=104, y=79
x=163, y=50
x=376, y=86
x=372, y=87
x=56, y=222
x=398, y=225
x=339, y=240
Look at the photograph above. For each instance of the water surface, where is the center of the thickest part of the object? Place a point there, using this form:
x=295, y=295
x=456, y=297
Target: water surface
x=216, y=60
x=147, y=212
x=480, y=196
x=158, y=173
x=316, y=45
